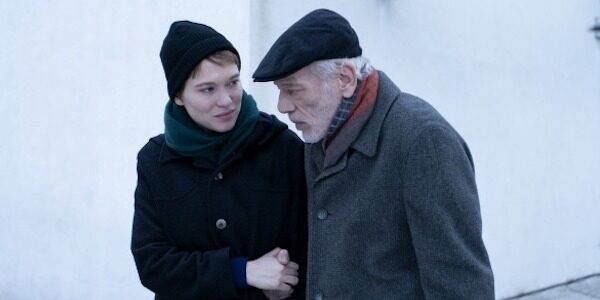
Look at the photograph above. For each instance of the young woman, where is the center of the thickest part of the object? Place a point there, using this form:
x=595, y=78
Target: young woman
x=220, y=204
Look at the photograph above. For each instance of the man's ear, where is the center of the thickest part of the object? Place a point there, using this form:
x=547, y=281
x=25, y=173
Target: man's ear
x=348, y=80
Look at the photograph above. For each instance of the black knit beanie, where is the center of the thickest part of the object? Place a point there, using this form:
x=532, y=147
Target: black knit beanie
x=185, y=45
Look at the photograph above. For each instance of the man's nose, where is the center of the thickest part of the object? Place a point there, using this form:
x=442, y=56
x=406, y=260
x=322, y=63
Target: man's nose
x=284, y=106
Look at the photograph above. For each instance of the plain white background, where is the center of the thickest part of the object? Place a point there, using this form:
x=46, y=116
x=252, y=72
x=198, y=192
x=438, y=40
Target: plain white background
x=82, y=89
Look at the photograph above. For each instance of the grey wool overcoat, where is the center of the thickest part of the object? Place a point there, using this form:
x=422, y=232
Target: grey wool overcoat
x=397, y=216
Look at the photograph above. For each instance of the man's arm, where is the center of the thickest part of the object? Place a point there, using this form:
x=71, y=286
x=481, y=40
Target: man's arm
x=443, y=213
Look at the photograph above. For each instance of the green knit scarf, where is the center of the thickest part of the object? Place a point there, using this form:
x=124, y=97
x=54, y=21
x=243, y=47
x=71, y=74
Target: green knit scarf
x=189, y=139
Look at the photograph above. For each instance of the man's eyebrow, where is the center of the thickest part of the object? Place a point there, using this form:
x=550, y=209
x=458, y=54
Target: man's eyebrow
x=286, y=82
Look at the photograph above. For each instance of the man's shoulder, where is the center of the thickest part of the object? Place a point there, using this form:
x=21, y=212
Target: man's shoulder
x=410, y=114
x=403, y=109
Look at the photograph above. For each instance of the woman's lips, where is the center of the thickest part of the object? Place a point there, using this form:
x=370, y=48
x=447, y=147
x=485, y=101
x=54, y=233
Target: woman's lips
x=225, y=115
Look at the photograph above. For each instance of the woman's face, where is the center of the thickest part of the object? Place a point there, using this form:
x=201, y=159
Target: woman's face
x=212, y=98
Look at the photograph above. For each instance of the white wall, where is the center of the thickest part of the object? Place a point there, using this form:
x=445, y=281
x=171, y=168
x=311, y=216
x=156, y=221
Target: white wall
x=82, y=90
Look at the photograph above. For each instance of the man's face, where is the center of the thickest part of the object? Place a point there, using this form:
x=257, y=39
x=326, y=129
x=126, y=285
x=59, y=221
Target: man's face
x=309, y=102
x=212, y=98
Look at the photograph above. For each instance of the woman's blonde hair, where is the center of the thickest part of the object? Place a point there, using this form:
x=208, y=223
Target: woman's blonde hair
x=221, y=58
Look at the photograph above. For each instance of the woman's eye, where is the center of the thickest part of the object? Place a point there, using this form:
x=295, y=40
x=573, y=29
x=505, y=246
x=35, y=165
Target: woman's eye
x=207, y=90
x=233, y=83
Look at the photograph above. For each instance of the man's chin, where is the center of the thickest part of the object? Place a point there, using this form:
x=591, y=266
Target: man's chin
x=311, y=138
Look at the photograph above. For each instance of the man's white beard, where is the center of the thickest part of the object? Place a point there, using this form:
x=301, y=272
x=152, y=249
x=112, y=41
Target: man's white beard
x=324, y=115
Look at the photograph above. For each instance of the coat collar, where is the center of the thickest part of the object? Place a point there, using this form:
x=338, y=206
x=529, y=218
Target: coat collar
x=167, y=154
x=387, y=93
x=367, y=140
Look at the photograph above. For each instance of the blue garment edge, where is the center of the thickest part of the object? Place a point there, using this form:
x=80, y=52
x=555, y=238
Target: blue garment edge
x=238, y=266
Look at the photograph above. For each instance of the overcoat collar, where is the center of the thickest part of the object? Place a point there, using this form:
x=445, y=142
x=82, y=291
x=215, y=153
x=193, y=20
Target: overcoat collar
x=167, y=154
x=387, y=93
x=367, y=141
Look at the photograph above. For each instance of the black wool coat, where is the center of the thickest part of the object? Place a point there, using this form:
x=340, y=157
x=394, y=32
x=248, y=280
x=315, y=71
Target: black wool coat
x=191, y=217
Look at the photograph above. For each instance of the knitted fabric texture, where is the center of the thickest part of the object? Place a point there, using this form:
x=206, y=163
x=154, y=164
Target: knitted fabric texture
x=184, y=47
x=189, y=139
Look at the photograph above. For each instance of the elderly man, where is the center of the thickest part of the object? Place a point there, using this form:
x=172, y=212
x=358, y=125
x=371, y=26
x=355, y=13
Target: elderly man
x=393, y=206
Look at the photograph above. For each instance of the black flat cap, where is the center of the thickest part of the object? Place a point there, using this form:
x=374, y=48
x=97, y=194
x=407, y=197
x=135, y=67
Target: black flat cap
x=321, y=34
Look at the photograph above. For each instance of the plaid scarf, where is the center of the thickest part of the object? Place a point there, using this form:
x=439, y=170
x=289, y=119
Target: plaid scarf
x=342, y=113
x=351, y=116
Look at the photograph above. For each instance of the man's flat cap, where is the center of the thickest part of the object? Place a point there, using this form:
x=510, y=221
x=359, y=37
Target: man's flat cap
x=321, y=34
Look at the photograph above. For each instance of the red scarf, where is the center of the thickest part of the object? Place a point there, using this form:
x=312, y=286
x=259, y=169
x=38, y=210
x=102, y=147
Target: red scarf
x=339, y=142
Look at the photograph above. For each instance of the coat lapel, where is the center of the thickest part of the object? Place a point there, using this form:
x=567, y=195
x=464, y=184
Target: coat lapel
x=366, y=142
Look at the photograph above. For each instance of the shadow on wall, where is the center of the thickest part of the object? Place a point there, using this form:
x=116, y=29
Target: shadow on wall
x=587, y=286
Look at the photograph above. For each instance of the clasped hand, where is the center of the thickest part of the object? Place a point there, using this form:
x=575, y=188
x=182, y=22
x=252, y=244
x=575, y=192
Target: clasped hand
x=273, y=273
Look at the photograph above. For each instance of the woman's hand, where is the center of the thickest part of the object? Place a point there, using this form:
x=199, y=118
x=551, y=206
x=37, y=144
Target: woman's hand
x=273, y=273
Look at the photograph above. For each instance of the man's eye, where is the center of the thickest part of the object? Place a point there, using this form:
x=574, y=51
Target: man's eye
x=233, y=83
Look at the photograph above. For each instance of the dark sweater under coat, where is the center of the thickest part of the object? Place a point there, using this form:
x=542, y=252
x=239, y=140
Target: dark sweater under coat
x=260, y=193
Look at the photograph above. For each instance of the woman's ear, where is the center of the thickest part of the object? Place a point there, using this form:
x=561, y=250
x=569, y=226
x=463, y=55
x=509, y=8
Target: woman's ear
x=178, y=100
x=348, y=80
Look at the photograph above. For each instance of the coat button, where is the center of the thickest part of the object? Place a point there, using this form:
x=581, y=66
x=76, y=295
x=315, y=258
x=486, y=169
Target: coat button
x=318, y=296
x=221, y=224
x=219, y=176
x=322, y=214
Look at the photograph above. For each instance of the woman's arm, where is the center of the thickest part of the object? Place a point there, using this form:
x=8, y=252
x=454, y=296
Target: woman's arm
x=167, y=270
